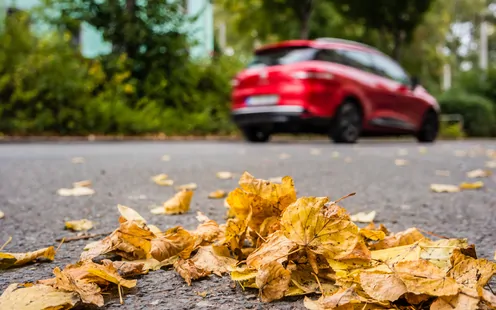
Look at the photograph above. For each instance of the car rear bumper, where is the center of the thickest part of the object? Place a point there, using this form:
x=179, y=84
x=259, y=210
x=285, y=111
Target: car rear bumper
x=283, y=118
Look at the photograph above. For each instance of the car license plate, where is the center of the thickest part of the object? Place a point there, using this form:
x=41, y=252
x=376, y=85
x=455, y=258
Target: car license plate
x=262, y=100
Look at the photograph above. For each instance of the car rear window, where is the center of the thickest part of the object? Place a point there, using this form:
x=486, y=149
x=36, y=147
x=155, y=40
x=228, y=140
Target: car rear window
x=282, y=56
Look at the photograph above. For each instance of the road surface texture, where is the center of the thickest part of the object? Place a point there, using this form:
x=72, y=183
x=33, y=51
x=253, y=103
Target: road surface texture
x=30, y=175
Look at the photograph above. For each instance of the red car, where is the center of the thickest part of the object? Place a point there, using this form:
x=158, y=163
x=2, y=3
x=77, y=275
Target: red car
x=342, y=88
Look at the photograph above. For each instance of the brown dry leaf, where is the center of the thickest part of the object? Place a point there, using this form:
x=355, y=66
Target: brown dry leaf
x=475, y=185
x=382, y=286
x=364, y=217
x=333, y=235
x=218, y=194
x=36, y=297
x=224, y=175
x=234, y=233
x=208, y=231
x=206, y=259
x=79, y=225
x=343, y=299
x=188, y=271
x=444, y=188
x=162, y=180
x=76, y=191
x=178, y=204
x=129, y=214
x=479, y=173
x=89, y=292
x=273, y=281
x=471, y=273
x=2, y=215
x=188, y=186
x=175, y=241
x=400, y=162
x=109, y=273
x=423, y=277
x=457, y=302
x=276, y=248
x=406, y=237
x=131, y=269
x=85, y=183
x=19, y=259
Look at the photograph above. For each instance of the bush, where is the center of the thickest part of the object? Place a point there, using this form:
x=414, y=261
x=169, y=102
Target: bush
x=477, y=111
x=451, y=131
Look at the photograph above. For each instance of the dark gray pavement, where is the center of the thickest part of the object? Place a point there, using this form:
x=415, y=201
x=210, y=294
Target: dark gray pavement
x=30, y=175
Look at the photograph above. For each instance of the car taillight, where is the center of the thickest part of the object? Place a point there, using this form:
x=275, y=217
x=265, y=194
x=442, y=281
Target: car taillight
x=319, y=75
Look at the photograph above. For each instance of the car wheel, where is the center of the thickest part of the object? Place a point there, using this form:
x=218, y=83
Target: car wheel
x=347, y=124
x=430, y=128
x=256, y=135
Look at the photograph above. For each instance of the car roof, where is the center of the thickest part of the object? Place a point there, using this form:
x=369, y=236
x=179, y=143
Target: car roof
x=320, y=43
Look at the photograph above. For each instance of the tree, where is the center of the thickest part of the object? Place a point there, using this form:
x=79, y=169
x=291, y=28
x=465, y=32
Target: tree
x=397, y=19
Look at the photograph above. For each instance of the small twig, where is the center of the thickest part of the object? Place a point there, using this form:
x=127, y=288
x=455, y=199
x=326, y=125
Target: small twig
x=260, y=236
x=84, y=237
x=433, y=234
x=318, y=282
x=344, y=197
x=7, y=242
x=120, y=294
x=60, y=244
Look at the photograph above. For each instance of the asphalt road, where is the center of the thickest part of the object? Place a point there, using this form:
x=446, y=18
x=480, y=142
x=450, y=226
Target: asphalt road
x=30, y=175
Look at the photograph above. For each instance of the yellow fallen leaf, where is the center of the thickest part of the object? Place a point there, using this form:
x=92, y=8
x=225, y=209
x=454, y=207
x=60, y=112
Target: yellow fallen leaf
x=444, y=188
x=335, y=154
x=422, y=150
x=363, y=217
x=284, y=156
x=36, y=297
x=176, y=205
x=343, y=299
x=2, y=215
x=400, y=162
x=457, y=302
x=71, y=281
x=443, y=173
x=479, y=173
x=109, y=273
x=332, y=235
x=407, y=237
x=76, y=191
x=166, y=158
x=276, y=248
x=130, y=214
x=187, y=269
x=273, y=281
x=315, y=152
x=402, y=152
x=374, y=235
x=18, y=259
x=202, y=294
x=423, y=277
x=218, y=194
x=224, y=175
x=206, y=259
x=85, y=183
x=78, y=160
x=475, y=185
x=491, y=164
x=188, y=186
x=79, y=225
x=207, y=231
x=162, y=180
x=471, y=273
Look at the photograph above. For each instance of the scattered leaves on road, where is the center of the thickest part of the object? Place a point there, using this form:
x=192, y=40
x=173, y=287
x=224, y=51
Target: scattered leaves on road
x=443, y=173
x=78, y=160
x=491, y=164
x=162, y=180
x=335, y=154
x=224, y=175
x=279, y=244
x=284, y=156
x=315, y=152
x=479, y=173
x=81, y=188
x=79, y=225
x=400, y=162
x=8, y=260
x=2, y=215
x=402, y=152
x=218, y=194
x=475, y=185
x=188, y=186
x=176, y=205
x=85, y=183
x=444, y=188
x=364, y=217
x=348, y=160
x=166, y=158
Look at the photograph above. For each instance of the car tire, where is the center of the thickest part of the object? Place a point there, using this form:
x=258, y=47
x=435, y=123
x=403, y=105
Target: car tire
x=255, y=135
x=430, y=128
x=347, y=125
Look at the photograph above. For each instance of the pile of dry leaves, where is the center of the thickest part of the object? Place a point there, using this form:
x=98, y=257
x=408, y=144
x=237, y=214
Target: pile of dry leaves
x=282, y=246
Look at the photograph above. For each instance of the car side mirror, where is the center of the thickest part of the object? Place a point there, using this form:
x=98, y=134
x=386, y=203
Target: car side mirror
x=414, y=82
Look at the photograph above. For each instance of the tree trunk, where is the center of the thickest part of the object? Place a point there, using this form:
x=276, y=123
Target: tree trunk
x=397, y=40
x=305, y=14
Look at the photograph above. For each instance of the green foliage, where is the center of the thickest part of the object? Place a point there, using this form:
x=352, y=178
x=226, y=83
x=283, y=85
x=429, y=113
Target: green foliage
x=477, y=111
x=451, y=131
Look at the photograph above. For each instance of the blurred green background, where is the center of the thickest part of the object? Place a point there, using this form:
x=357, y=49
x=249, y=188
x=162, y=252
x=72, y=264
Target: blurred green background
x=161, y=67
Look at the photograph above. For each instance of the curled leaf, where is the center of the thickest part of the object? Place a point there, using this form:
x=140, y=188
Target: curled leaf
x=19, y=259
x=37, y=297
x=364, y=217
x=224, y=175
x=206, y=259
x=162, y=180
x=475, y=185
x=176, y=205
x=273, y=281
x=444, y=188
x=277, y=248
x=218, y=194
x=187, y=269
x=175, y=241
x=130, y=214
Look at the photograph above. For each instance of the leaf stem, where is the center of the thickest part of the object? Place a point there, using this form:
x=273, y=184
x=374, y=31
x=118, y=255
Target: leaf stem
x=5, y=244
